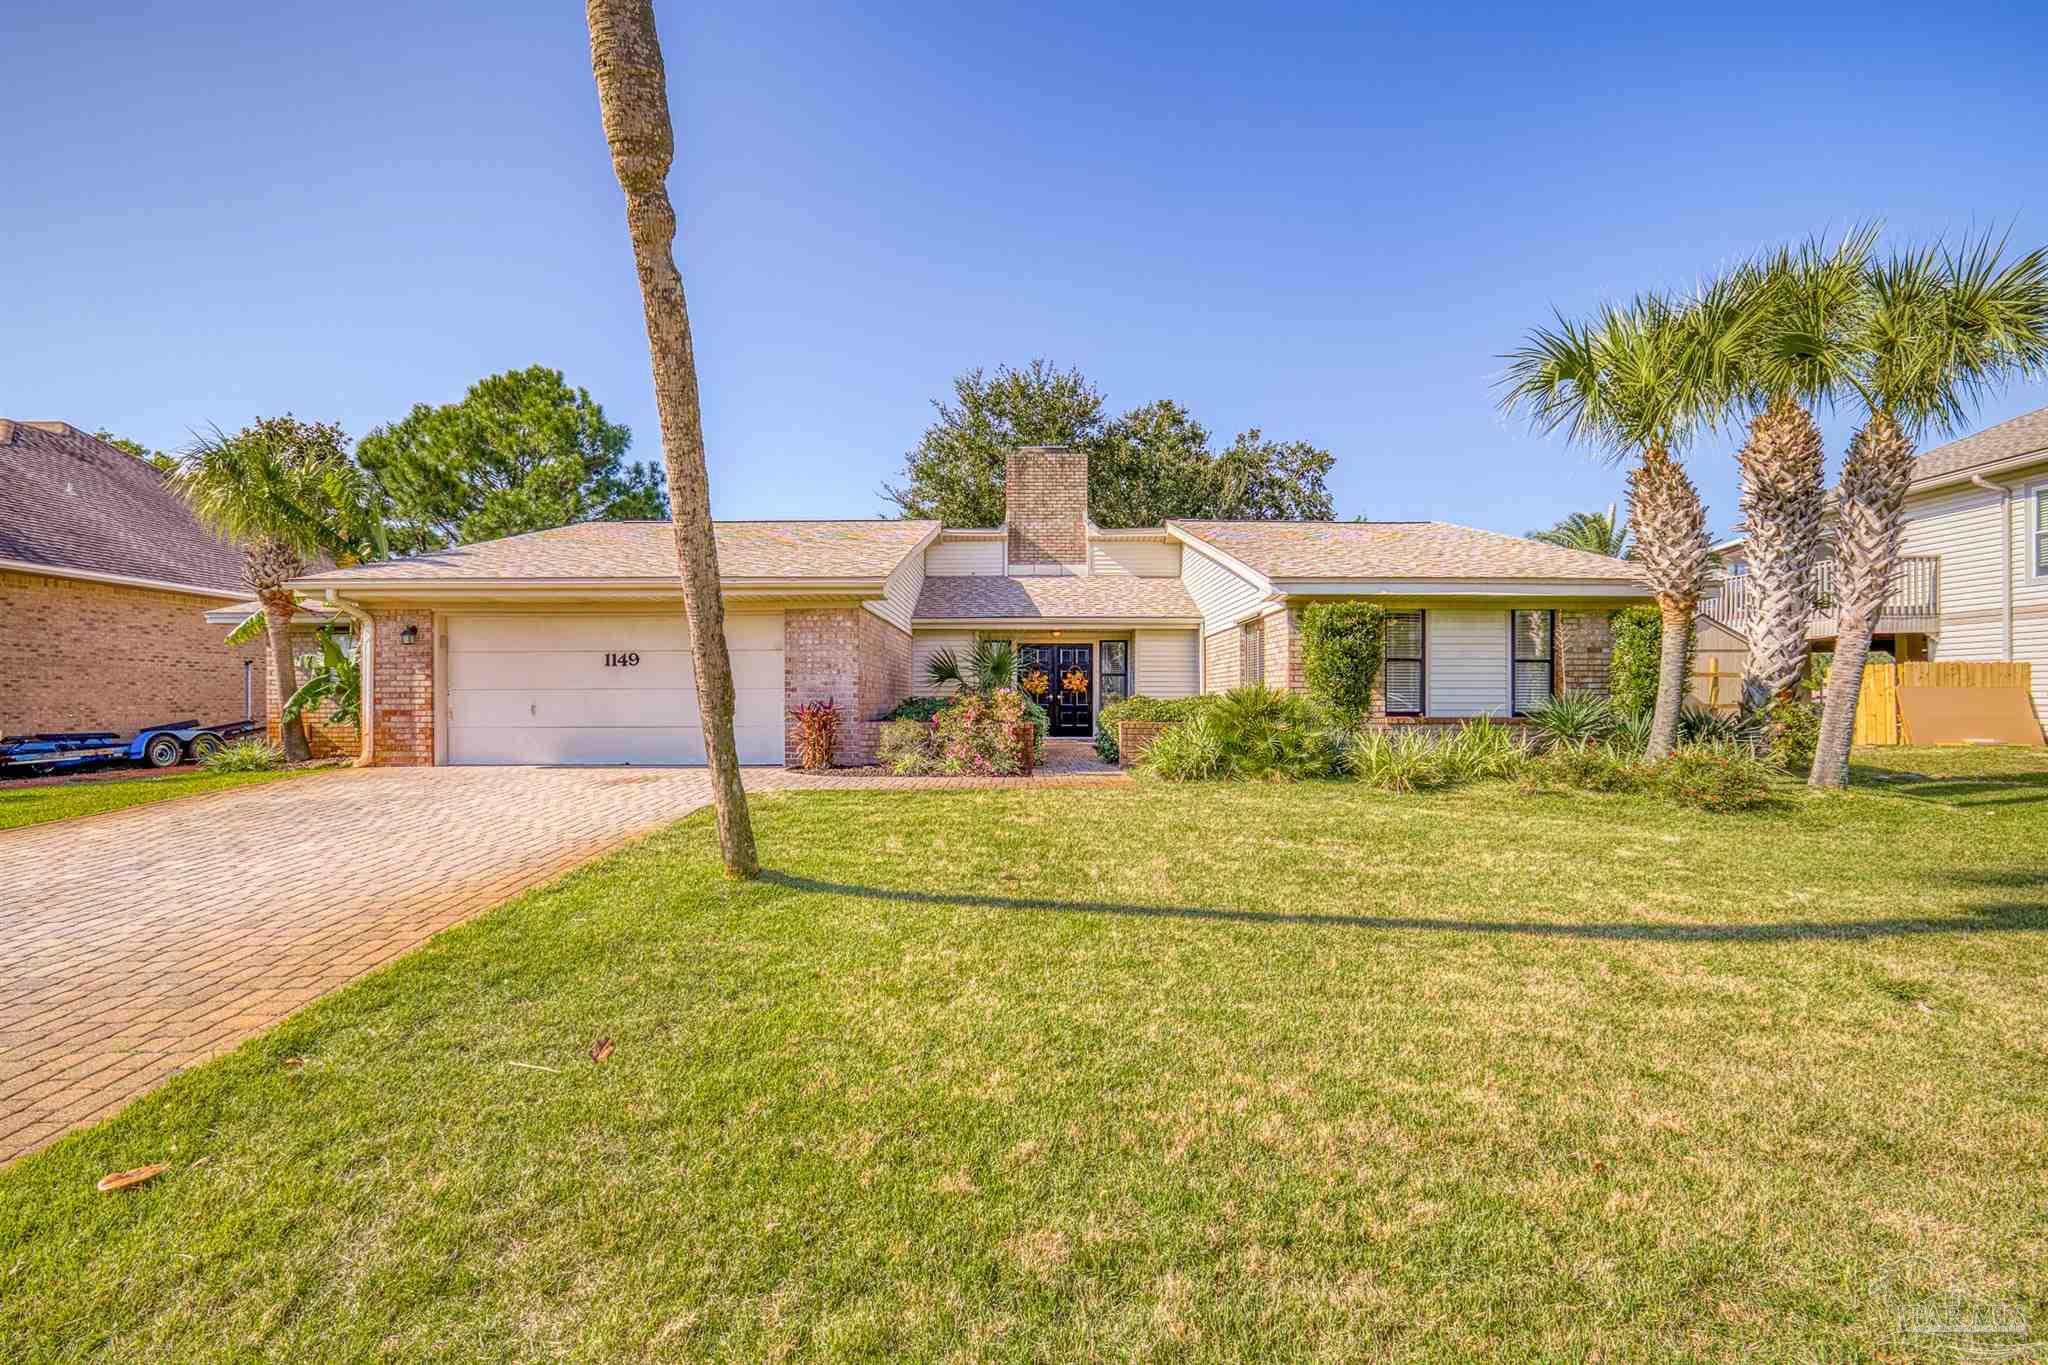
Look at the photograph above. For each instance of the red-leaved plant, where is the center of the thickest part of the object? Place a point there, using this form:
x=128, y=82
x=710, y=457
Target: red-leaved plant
x=817, y=734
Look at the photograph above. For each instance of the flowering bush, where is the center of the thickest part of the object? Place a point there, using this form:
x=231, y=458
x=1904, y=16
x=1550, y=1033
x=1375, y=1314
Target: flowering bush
x=976, y=734
x=1714, y=778
x=817, y=733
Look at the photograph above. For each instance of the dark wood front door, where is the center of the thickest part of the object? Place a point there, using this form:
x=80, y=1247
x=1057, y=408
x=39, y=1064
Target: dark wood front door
x=1072, y=709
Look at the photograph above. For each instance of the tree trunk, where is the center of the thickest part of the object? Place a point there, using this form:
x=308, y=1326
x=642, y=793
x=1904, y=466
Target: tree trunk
x=278, y=609
x=1782, y=464
x=1872, y=496
x=1671, y=553
x=1672, y=682
x=632, y=95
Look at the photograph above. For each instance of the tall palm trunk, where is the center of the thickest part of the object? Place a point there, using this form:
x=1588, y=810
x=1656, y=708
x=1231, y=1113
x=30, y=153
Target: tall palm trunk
x=632, y=95
x=277, y=623
x=1671, y=550
x=1872, y=495
x=1782, y=465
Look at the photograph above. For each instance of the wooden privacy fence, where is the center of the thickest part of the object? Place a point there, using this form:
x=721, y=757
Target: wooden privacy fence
x=1877, y=705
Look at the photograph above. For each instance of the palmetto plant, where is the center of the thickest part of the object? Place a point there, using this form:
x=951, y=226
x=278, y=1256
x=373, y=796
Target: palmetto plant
x=1641, y=379
x=1938, y=330
x=1597, y=533
x=289, y=492
x=989, y=665
x=632, y=97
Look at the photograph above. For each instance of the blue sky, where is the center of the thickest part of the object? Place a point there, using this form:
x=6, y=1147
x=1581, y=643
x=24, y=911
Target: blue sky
x=1324, y=221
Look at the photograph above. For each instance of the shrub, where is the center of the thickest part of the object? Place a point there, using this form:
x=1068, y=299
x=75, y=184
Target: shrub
x=817, y=733
x=1040, y=721
x=1792, y=734
x=918, y=708
x=1249, y=732
x=1141, y=708
x=973, y=734
x=1403, y=762
x=1480, y=751
x=1341, y=647
x=1190, y=751
x=1571, y=718
x=904, y=746
x=1714, y=777
x=1632, y=671
x=243, y=756
x=1582, y=766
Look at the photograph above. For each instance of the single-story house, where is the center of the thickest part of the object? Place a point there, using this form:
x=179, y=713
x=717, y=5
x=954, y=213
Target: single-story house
x=569, y=646
x=104, y=579
x=1972, y=580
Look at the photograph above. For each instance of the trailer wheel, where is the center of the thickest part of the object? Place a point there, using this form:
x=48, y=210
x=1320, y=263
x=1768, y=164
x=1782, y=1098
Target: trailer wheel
x=204, y=747
x=163, y=751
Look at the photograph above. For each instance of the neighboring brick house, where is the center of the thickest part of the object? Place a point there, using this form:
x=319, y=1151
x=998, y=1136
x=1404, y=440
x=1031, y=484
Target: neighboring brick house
x=104, y=579
x=569, y=646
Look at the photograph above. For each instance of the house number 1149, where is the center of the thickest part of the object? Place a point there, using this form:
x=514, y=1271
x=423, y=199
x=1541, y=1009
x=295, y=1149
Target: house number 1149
x=622, y=660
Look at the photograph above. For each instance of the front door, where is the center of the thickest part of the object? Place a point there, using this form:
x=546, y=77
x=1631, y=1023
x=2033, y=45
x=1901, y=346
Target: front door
x=1071, y=708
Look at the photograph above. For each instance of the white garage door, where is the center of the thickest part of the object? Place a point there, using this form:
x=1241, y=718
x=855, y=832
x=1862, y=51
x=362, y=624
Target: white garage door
x=602, y=689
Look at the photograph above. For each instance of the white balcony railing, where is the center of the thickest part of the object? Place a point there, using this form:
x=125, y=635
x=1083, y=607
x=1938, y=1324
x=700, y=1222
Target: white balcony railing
x=1916, y=591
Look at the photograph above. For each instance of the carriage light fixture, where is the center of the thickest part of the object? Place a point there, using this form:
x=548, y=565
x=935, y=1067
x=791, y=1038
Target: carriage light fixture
x=409, y=636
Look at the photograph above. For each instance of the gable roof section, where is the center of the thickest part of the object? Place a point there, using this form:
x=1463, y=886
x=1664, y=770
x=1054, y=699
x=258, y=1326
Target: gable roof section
x=1434, y=550
x=839, y=551
x=991, y=597
x=2024, y=435
x=70, y=502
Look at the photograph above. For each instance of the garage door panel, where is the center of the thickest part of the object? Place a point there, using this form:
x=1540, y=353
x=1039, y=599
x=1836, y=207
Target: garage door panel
x=536, y=689
x=529, y=634
x=583, y=668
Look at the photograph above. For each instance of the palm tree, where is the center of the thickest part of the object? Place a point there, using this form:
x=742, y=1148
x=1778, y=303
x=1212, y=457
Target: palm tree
x=289, y=493
x=1595, y=533
x=1806, y=301
x=990, y=665
x=1642, y=379
x=632, y=96
x=1938, y=331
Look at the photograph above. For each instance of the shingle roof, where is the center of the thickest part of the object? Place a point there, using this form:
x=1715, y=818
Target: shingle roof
x=2026, y=434
x=1397, y=549
x=69, y=501
x=988, y=597
x=647, y=549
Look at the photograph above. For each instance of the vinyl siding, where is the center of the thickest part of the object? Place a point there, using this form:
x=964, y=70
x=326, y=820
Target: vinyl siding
x=1136, y=558
x=924, y=644
x=1467, y=663
x=1166, y=663
x=899, y=594
x=1223, y=594
x=963, y=558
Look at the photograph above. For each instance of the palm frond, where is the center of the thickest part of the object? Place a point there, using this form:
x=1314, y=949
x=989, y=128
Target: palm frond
x=248, y=631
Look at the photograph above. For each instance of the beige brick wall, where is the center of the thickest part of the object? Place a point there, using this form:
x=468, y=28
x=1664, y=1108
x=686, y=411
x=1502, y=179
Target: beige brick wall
x=1222, y=656
x=1045, y=497
x=77, y=655
x=403, y=687
x=821, y=654
x=1585, y=647
x=1282, y=632
x=325, y=737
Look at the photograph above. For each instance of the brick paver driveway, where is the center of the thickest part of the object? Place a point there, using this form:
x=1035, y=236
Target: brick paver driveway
x=136, y=943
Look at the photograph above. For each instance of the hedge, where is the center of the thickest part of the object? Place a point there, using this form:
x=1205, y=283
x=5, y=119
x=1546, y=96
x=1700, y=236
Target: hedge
x=1342, y=644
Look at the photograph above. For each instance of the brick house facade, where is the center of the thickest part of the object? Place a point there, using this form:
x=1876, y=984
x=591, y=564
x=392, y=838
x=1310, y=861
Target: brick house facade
x=104, y=581
x=568, y=645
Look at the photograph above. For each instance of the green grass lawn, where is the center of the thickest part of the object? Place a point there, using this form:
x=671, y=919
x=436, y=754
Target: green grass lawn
x=33, y=805
x=1189, y=1073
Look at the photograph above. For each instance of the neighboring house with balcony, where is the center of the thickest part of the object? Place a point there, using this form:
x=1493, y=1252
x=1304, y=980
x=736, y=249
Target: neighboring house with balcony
x=569, y=645
x=1972, y=581
x=104, y=577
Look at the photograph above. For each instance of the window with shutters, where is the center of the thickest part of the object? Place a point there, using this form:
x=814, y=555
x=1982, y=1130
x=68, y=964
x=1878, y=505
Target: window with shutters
x=1535, y=635
x=1402, y=670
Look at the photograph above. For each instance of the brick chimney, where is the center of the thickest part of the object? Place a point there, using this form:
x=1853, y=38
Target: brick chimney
x=1045, y=502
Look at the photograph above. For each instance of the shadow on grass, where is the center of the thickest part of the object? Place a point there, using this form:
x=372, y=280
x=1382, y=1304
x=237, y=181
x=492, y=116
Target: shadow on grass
x=1975, y=919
